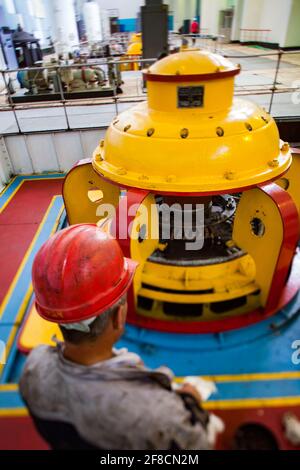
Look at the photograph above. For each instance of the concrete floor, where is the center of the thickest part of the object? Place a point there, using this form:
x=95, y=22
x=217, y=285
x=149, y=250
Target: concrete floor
x=253, y=83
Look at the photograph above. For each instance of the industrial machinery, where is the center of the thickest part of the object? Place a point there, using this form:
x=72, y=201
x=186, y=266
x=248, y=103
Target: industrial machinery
x=7, y=47
x=27, y=48
x=147, y=45
x=76, y=82
x=134, y=52
x=154, y=12
x=209, y=195
x=75, y=79
x=20, y=49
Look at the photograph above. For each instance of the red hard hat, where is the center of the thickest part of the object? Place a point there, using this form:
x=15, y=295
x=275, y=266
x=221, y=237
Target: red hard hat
x=79, y=273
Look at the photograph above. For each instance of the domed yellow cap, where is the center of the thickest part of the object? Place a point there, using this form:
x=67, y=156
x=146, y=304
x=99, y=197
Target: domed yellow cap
x=192, y=66
x=192, y=136
x=134, y=49
x=173, y=77
x=135, y=37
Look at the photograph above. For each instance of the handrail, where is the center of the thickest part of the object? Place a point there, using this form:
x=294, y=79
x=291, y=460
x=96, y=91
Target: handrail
x=102, y=61
x=115, y=99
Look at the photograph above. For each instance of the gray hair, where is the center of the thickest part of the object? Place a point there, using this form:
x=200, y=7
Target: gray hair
x=96, y=327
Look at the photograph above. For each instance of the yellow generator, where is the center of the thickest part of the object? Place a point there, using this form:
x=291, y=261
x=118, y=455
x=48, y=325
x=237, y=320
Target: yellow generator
x=134, y=52
x=199, y=189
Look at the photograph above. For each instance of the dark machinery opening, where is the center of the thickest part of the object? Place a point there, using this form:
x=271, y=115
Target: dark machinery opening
x=226, y=305
x=182, y=310
x=254, y=436
x=185, y=220
x=176, y=291
x=144, y=303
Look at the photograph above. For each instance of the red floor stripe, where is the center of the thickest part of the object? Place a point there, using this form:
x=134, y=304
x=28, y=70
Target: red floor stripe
x=19, y=222
x=20, y=434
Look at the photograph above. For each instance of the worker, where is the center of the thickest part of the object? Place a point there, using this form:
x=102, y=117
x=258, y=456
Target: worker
x=194, y=26
x=84, y=393
x=194, y=30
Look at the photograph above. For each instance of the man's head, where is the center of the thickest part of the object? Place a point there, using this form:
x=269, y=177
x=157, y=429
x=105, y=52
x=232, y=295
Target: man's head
x=80, y=279
x=108, y=326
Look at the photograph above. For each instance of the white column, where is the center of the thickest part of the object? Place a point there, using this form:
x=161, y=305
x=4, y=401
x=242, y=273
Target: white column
x=237, y=20
x=275, y=16
x=190, y=9
x=291, y=33
x=209, y=16
x=92, y=21
x=66, y=34
x=178, y=8
x=266, y=14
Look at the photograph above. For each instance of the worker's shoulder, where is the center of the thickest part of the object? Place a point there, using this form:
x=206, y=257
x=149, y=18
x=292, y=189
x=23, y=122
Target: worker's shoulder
x=38, y=371
x=41, y=352
x=41, y=355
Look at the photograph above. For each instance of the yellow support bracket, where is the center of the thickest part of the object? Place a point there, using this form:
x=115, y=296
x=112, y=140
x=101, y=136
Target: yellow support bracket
x=87, y=195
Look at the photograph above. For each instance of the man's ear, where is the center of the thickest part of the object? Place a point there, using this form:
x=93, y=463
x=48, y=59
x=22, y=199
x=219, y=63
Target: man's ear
x=119, y=318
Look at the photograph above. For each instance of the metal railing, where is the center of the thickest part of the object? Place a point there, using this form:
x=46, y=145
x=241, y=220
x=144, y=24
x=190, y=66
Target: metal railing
x=66, y=102
x=63, y=100
x=279, y=53
x=254, y=35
